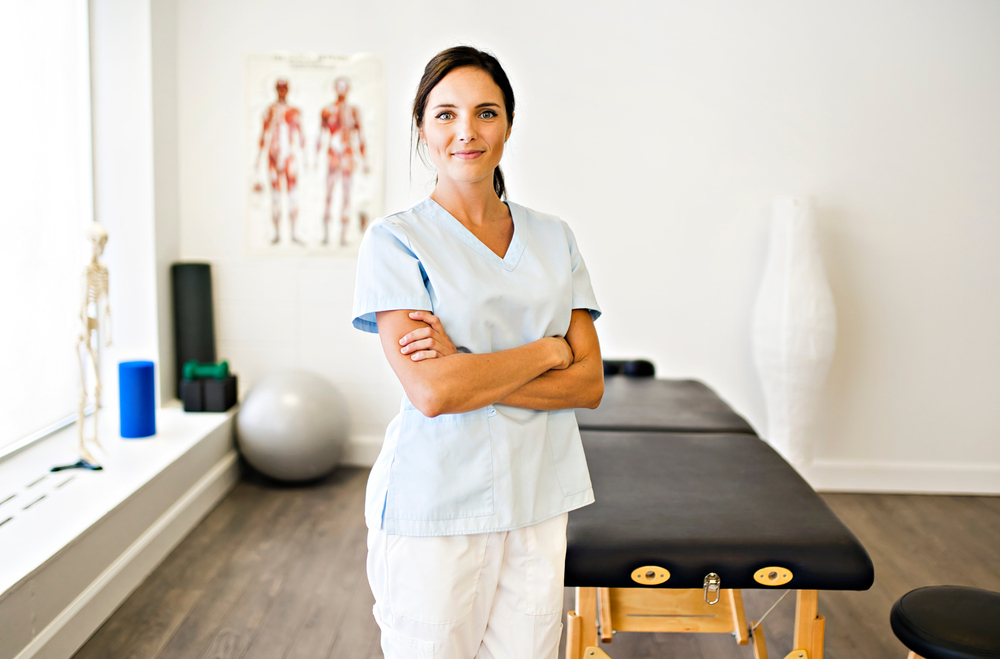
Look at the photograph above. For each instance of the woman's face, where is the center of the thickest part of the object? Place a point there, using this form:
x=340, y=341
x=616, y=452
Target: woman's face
x=465, y=126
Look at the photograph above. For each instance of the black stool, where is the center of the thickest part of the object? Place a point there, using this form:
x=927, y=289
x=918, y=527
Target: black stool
x=948, y=622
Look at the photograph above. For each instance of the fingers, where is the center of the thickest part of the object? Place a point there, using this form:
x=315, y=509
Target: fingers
x=416, y=335
x=431, y=338
x=422, y=344
x=429, y=318
x=424, y=354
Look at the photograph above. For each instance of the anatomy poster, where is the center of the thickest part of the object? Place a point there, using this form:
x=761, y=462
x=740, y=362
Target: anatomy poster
x=315, y=143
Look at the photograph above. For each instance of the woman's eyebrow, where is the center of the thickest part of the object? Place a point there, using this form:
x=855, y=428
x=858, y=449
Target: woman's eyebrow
x=450, y=106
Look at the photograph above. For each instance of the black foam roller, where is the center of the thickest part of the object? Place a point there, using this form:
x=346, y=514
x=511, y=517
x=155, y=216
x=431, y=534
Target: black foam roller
x=194, y=329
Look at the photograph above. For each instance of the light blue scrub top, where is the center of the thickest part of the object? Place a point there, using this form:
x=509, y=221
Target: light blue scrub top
x=499, y=467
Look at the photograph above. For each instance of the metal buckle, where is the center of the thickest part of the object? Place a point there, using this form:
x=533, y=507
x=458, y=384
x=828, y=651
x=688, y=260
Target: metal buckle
x=713, y=585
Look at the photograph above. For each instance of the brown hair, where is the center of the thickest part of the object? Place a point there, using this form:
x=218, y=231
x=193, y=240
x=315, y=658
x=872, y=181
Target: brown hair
x=456, y=58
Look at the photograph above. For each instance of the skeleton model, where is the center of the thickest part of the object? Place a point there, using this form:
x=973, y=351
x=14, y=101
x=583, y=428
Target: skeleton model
x=95, y=315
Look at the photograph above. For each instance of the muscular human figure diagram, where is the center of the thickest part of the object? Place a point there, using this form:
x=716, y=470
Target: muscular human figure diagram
x=340, y=124
x=281, y=130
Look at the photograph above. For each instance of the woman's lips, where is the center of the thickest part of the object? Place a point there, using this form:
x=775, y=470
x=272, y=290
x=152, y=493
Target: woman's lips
x=467, y=155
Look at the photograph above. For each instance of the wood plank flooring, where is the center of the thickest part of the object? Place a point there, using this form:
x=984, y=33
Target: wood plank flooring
x=278, y=572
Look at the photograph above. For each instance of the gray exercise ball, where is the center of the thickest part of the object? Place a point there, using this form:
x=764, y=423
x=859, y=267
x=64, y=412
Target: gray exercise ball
x=292, y=426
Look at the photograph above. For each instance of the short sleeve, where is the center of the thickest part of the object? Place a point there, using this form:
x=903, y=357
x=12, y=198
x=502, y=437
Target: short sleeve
x=583, y=291
x=390, y=277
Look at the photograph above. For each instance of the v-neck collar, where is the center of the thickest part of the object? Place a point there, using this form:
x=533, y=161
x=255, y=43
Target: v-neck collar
x=451, y=223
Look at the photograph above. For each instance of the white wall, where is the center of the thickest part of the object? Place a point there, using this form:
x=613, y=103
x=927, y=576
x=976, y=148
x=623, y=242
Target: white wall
x=661, y=132
x=122, y=102
x=166, y=175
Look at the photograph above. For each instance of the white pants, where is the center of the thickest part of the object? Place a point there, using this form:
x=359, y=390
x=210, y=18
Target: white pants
x=489, y=595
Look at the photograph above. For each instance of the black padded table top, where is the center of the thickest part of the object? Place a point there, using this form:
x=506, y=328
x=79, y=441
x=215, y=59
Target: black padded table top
x=648, y=404
x=701, y=503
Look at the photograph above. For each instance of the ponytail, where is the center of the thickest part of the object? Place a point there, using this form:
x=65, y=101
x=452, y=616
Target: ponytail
x=498, y=185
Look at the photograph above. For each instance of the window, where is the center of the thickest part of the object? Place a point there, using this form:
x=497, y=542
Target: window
x=46, y=202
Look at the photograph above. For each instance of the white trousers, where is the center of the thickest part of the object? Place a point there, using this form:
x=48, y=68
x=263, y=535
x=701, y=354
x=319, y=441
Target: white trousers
x=488, y=595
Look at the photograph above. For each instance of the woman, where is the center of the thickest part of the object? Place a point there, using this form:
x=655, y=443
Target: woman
x=467, y=502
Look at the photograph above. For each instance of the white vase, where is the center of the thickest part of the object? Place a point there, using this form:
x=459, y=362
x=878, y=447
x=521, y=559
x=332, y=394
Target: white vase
x=794, y=329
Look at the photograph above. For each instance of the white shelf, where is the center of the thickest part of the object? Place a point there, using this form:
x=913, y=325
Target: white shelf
x=68, y=538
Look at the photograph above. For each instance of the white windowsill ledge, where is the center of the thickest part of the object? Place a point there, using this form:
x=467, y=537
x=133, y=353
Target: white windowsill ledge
x=74, y=543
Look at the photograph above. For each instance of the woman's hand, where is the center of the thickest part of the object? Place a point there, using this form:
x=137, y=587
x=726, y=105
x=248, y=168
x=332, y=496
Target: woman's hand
x=563, y=352
x=426, y=342
x=580, y=385
x=465, y=382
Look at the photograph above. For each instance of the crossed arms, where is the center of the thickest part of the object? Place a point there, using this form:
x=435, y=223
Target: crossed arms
x=553, y=373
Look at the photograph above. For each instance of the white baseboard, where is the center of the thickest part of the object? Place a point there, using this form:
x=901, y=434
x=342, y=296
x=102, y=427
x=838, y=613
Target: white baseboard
x=362, y=450
x=903, y=477
x=62, y=637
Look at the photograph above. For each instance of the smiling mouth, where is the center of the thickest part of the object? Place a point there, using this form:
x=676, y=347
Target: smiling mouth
x=467, y=155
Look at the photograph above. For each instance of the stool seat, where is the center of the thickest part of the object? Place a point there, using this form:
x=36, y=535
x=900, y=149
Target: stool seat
x=949, y=622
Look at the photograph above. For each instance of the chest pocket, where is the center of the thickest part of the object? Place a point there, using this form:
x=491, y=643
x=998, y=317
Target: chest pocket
x=442, y=468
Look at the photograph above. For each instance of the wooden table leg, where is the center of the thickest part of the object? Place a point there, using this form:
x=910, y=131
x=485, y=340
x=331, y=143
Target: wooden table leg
x=604, y=614
x=759, y=646
x=739, y=617
x=574, y=650
x=586, y=609
x=809, y=625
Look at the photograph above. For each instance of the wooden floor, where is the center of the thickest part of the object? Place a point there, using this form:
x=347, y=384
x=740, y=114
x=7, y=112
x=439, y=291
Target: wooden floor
x=278, y=572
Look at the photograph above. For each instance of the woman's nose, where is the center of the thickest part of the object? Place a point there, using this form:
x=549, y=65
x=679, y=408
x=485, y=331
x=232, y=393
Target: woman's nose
x=466, y=130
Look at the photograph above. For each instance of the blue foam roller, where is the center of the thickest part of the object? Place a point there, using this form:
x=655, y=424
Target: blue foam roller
x=137, y=394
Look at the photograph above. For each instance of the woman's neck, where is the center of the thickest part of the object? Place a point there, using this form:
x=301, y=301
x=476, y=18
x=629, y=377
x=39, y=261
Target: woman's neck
x=474, y=205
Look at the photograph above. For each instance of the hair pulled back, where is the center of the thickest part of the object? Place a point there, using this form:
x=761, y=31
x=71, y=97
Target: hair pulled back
x=456, y=58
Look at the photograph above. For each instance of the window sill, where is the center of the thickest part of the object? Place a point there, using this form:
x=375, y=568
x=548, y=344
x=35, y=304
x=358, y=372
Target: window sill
x=76, y=542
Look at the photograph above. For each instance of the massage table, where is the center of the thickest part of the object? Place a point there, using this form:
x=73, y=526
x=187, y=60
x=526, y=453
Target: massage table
x=652, y=405
x=691, y=508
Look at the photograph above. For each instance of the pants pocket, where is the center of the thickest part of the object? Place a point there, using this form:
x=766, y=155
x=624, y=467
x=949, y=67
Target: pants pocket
x=546, y=564
x=434, y=579
x=399, y=646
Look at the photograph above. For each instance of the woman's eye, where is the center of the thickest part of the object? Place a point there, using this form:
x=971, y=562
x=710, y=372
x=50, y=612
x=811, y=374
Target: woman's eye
x=445, y=116
x=488, y=114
